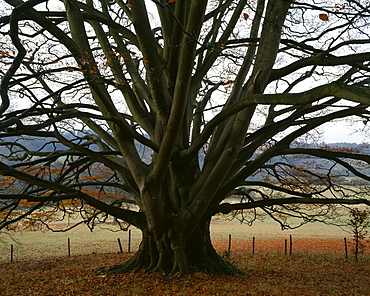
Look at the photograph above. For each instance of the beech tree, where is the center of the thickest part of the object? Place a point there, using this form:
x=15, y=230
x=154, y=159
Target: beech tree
x=174, y=106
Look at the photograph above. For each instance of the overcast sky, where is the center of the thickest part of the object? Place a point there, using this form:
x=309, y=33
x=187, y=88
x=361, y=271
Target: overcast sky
x=343, y=132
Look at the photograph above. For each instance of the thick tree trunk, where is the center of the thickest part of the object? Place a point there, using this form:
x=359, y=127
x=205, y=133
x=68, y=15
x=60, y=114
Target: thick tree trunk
x=176, y=252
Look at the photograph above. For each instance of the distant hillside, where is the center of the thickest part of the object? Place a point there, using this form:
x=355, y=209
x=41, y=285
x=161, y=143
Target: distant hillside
x=314, y=163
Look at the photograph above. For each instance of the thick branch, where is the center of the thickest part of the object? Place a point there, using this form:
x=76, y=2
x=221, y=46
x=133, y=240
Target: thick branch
x=337, y=89
x=13, y=32
x=321, y=60
x=183, y=81
x=227, y=208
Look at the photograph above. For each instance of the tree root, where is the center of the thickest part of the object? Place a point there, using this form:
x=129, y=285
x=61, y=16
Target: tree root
x=172, y=255
x=139, y=264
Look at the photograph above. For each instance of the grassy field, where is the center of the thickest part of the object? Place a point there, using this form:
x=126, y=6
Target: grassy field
x=103, y=239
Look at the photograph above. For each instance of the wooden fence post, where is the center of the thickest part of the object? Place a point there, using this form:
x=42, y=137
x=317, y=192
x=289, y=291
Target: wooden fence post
x=290, y=245
x=229, y=247
x=253, y=243
x=286, y=247
x=129, y=241
x=11, y=253
x=120, y=245
x=345, y=248
x=69, y=247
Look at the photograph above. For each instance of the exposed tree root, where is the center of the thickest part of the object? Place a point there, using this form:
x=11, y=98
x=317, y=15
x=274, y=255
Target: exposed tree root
x=176, y=256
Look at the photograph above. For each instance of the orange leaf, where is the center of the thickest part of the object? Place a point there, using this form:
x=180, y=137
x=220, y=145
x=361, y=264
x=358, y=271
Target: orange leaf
x=245, y=15
x=324, y=17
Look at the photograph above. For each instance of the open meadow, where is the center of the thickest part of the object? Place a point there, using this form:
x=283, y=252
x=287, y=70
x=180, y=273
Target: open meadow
x=317, y=265
x=104, y=239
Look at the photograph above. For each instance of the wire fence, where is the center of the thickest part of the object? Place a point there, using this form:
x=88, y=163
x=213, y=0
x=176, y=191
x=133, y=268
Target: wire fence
x=68, y=247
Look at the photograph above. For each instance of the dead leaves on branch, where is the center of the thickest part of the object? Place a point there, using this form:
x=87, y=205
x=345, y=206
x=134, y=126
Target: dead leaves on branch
x=324, y=17
x=92, y=182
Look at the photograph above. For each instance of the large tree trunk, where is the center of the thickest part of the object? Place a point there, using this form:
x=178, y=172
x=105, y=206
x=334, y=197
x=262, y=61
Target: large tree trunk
x=176, y=252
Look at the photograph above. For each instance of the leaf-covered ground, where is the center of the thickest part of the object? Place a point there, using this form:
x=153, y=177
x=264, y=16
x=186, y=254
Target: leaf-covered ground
x=268, y=272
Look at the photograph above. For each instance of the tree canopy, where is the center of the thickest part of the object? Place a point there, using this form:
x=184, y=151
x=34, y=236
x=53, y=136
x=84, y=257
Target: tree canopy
x=156, y=112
